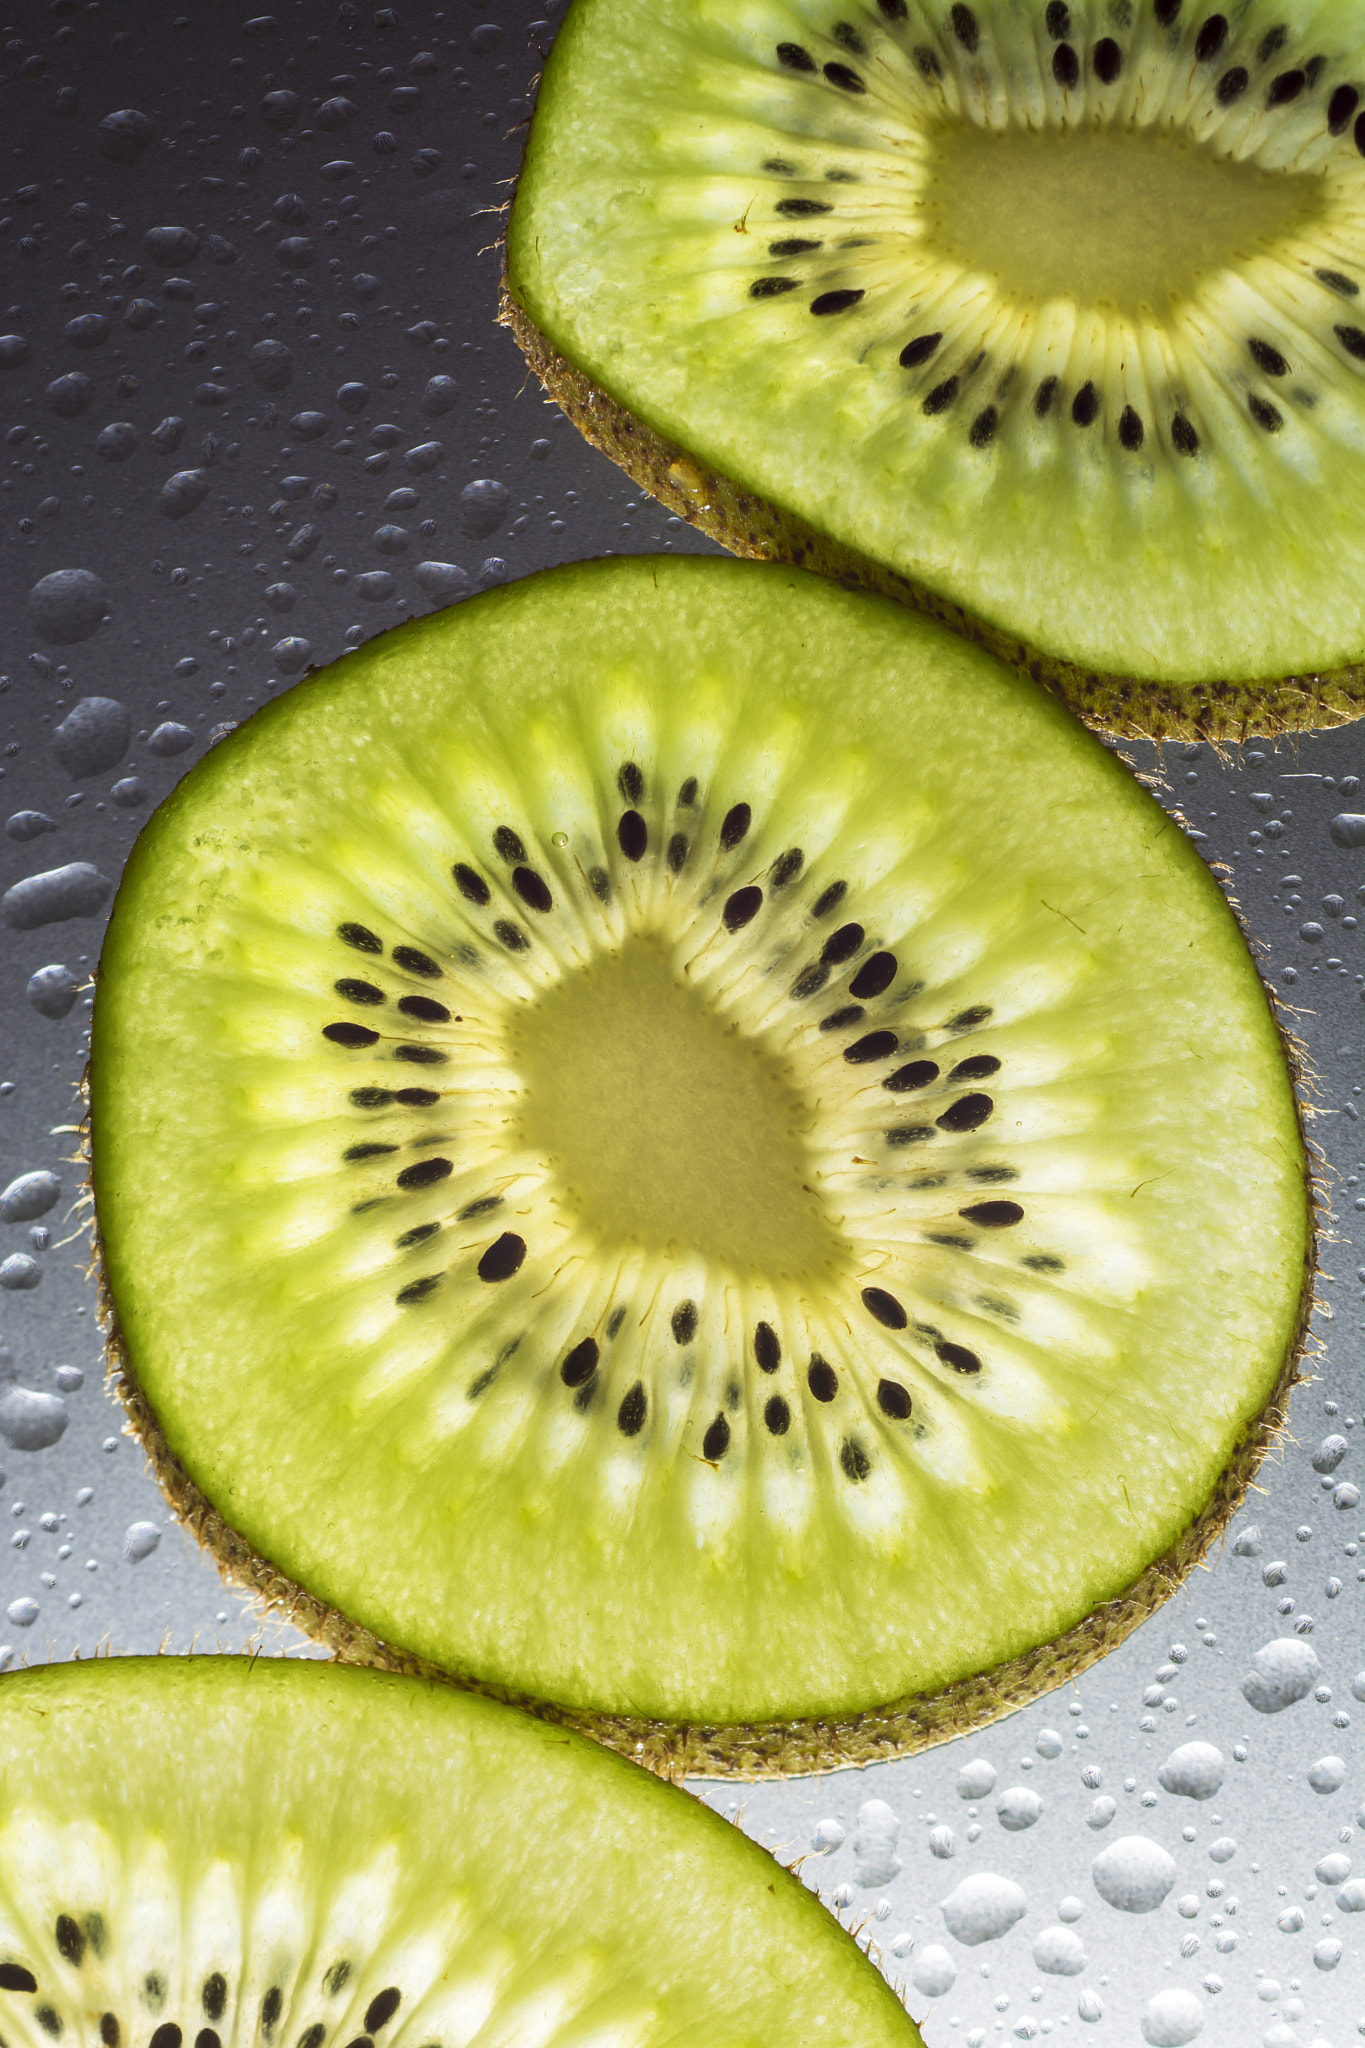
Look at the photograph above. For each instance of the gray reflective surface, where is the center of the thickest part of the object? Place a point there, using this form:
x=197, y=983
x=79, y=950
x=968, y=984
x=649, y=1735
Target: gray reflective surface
x=256, y=411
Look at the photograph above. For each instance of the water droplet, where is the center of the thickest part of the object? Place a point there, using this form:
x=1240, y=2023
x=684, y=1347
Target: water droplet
x=443, y=582
x=77, y=890
x=26, y=825
x=1348, y=828
x=1172, y=2018
x=309, y=426
x=1223, y=1850
x=140, y=1540
x=942, y=1843
x=129, y=793
x=1328, y=1774
x=71, y=395
x=874, y=1845
x=94, y=735
x=935, y=1972
x=168, y=435
x=183, y=493
x=31, y=1195
x=31, y=1421
x=52, y=991
x=122, y=137
x=1330, y=1453
x=1059, y=1952
x=1133, y=1874
x=1018, y=1808
x=826, y=1837
x=117, y=441
x=1247, y=1543
x=976, y=1780
x=1049, y=1743
x=484, y=506
x=982, y=1908
x=19, y=1274
x=14, y=351
x=1089, y=2005
x=441, y=396
x=1102, y=1811
x=169, y=739
x=23, y=1613
x=1070, y=1909
x=271, y=363
x=376, y=586
x=291, y=654
x=1281, y=1673
x=1194, y=1771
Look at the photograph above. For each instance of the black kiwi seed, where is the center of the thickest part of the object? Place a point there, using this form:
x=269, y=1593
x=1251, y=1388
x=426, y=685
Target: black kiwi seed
x=885, y=1308
x=963, y=23
x=1211, y=37
x=919, y=350
x=794, y=57
x=1058, y=20
x=687, y=795
x=367, y=1151
x=425, y=1173
x=893, y=1400
x=777, y=1416
x=1358, y=133
x=485, y=1206
x=1271, y=43
x=677, y=853
x=503, y=1257
x=70, y=1940
x=50, y=2022
x=840, y=1020
x=418, y=1290
x=829, y=899
x=110, y=2031
x=848, y=38
x=1352, y=340
x=1131, y=429
x=510, y=935
x=767, y=1347
x=1232, y=85
x=918, y=1074
x=716, y=1442
x=615, y=1319
x=167, y=2035
x=1085, y=404
x=852, y=1457
x=1335, y=281
x=847, y=80
x=821, y=1378
x=1166, y=11
x=1183, y=436
x=1340, y=108
x=874, y=977
x=630, y=781
x=470, y=884
x=420, y=1055
x=941, y=397
x=417, y=962
x=630, y=1416
x=1108, y=60
x=507, y=845
x=968, y=1113
x=841, y=945
x=14, y=1977
x=1043, y=397
x=337, y=1977
x=418, y=1235
x=1043, y=1262
x=361, y=937
x=359, y=991
x=982, y=430
x=632, y=834
x=944, y=1237
x=416, y=1098
x=599, y=881
x=993, y=1215
x=967, y=1020
x=1267, y=358
x=207, y=2037
x=909, y=1134
x=1285, y=88
x=741, y=908
x=350, y=1034
x=1065, y=66
x=425, y=1008
x=382, y=2008
x=735, y=826
x=977, y=1068
x=311, y=2037
x=533, y=889
x=809, y=981
x=957, y=1356
x=1267, y=416
x=876, y=1045
x=835, y=302
x=271, y=2007
x=684, y=1322
x=581, y=1363
x=803, y=209
x=930, y=69
x=891, y=10
x=786, y=868
x=992, y=1173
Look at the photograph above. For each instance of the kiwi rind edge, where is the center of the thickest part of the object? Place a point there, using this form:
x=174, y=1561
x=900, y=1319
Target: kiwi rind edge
x=1222, y=710
x=769, y=1749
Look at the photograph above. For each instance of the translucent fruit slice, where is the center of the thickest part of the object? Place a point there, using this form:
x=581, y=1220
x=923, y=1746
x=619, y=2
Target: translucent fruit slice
x=1046, y=314
x=255, y=1855
x=677, y=1141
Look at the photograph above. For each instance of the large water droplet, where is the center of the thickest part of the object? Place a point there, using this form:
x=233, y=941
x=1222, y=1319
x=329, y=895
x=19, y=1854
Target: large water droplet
x=170, y=738
x=1018, y=1808
x=26, y=825
x=935, y=1972
x=826, y=1837
x=976, y=1780
x=31, y=1195
x=140, y=1540
x=1059, y=1952
x=874, y=1845
x=1194, y=1771
x=30, y=1421
x=484, y=506
x=1281, y=1673
x=67, y=606
x=77, y=890
x=1172, y=2018
x=183, y=493
x=1327, y=1775
x=71, y=395
x=1133, y=1874
x=443, y=582
x=1348, y=828
x=53, y=990
x=982, y=1908
x=95, y=733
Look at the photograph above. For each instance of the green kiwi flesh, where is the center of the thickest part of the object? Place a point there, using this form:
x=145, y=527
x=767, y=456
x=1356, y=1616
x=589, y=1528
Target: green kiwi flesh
x=1044, y=318
x=230, y=1853
x=677, y=1142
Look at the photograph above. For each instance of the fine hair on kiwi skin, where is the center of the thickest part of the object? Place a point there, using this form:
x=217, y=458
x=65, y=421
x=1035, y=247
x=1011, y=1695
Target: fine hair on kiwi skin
x=901, y=78
x=827, y=627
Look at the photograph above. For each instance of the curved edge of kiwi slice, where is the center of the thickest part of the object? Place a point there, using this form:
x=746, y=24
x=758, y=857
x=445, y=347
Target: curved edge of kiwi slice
x=770, y=1749
x=1220, y=710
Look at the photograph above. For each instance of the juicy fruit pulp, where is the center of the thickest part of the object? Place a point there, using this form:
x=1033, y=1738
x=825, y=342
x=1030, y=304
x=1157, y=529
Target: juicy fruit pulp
x=225, y=1852
x=677, y=1141
x=1052, y=313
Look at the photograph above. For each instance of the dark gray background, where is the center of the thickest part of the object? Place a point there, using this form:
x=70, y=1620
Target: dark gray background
x=247, y=512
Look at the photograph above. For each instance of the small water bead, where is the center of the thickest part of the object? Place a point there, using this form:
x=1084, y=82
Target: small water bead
x=942, y=1843
x=1327, y=1775
x=1069, y=1909
x=934, y=1973
x=1059, y=1952
x=874, y=1845
x=1018, y=1808
x=52, y=990
x=1194, y=1771
x=828, y=1835
x=976, y=1780
x=1172, y=2018
x=1049, y=1743
x=1223, y=1850
x=140, y=1539
x=983, y=1908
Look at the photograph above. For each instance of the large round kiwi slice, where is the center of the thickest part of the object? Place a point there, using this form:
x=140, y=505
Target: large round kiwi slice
x=678, y=1141
x=213, y=1851
x=1046, y=313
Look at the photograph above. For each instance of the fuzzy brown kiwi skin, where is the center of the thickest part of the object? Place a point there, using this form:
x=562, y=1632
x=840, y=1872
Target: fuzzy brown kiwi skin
x=766, y=1749
x=1224, y=711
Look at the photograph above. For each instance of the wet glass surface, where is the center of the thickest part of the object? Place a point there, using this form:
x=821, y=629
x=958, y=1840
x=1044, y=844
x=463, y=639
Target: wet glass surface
x=256, y=409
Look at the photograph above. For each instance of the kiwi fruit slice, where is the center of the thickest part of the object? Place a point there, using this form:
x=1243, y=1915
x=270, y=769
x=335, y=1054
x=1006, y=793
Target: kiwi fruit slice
x=1045, y=316
x=217, y=1851
x=676, y=1141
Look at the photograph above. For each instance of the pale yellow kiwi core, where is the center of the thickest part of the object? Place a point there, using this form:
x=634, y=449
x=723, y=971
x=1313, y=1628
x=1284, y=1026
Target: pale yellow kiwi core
x=666, y=1126
x=1132, y=219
